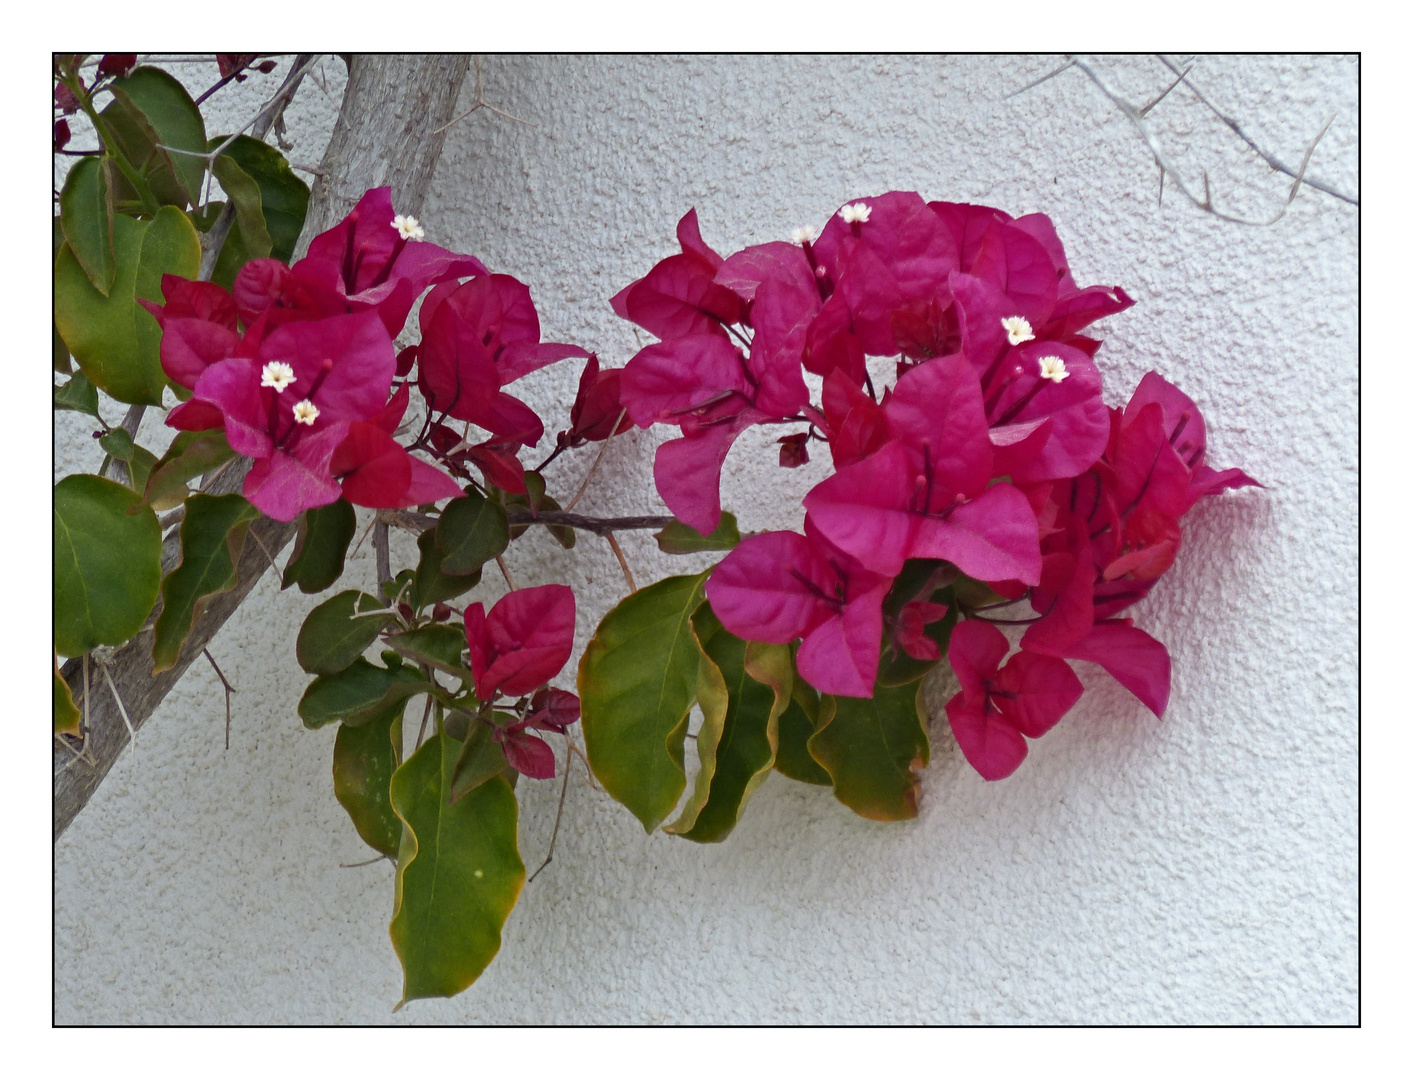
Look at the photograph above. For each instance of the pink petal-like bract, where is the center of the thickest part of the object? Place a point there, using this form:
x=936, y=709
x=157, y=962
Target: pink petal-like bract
x=1044, y=689
x=523, y=642
x=1138, y=661
x=992, y=745
x=284, y=485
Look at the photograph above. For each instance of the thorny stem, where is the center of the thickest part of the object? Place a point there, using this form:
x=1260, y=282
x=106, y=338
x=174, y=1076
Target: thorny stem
x=229, y=691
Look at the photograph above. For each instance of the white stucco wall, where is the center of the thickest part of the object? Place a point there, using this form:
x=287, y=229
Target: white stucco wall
x=1201, y=868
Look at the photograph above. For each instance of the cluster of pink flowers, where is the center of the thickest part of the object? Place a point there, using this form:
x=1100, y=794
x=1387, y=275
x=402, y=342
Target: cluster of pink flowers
x=993, y=452
x=297, y=365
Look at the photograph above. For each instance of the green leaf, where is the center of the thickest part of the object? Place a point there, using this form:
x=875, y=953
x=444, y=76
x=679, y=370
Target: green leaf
x=86, y=213
x=792, y=756
x=332, y=637
x=140, y=467
x=107, y=563
x=743, y=690
x=244, y=195
x=61, y=351
x=471, y=531
x=284, y=197
x=431, y=584
x=66, y=713
x=149, y=108
x=479, y=759
x=459, y=873
x=637, y=681
x=679, y=539
x=359, y=694
x=212, y=534
x=79, y=395
x=438, y=645
x=118, y=443
x=365, y=758
x=115, y=340
x=320, y=547
x=536, y=500
x=192, y=454
x=872, y=749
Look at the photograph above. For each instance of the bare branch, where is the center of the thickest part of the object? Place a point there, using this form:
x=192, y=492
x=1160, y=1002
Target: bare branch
x=1265, y=155
x=1205, y=203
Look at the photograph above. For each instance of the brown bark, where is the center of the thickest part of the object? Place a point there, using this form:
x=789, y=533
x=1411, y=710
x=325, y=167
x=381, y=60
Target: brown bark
x=384, y=136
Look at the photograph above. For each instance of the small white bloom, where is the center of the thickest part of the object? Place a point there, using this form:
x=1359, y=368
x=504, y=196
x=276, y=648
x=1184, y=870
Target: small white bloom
x=803, y=235
x=1017, y=328
x=857, y=212
x=277, y=374
x=306, y=412
x=1053, y=368
x=408, y=227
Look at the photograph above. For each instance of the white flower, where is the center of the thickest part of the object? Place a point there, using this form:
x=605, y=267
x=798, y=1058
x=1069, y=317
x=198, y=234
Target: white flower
x=306, y=412
x=1053, y=368
x=857, y=212
x=408, y=227
x=803, y=235
x=277, y=374
x=1017, y=328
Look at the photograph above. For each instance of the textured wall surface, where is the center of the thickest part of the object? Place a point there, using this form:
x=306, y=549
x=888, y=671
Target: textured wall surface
x=1201, y=868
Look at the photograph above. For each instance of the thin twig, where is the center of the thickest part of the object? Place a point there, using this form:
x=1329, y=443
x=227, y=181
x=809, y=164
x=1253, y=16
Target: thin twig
x=595, y=467
x=366, y=531
x=563, y=791
x=122, y=709
x=207, y=481
x=370, y=862
x=422, y=731
x=1171, y=87
x=587, y=768
x=1265, y=155
x=505, y=571
x=1037, y=82
x=256, y=537
x=481, y=103
x=229, y=691
x=627, y=574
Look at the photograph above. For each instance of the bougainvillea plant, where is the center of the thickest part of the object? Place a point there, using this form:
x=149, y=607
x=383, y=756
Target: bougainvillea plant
x=983, y=483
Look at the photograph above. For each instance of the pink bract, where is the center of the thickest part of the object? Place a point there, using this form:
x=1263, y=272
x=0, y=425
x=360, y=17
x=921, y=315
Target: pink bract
x=523, y=642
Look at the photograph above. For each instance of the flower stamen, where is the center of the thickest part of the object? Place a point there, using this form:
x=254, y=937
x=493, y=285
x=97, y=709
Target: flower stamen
x=277, y=375
x=1018, y=329
x=1053, y=368
x=407, y=227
